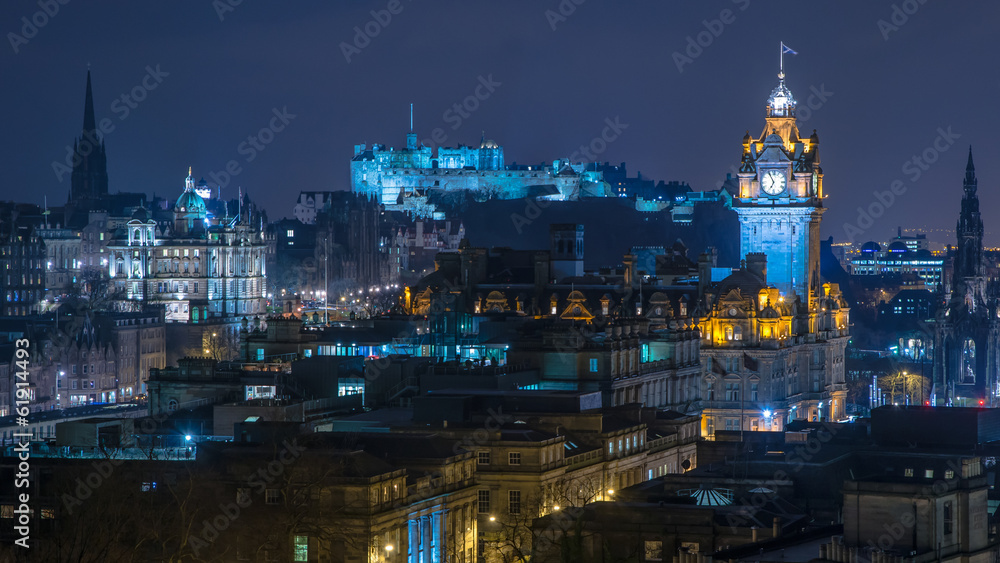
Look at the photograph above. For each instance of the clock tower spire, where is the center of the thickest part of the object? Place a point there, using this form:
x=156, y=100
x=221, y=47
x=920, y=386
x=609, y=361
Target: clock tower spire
x=780, y=197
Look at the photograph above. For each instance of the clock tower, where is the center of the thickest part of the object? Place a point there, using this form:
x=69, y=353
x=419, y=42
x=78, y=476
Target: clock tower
x=780, y=200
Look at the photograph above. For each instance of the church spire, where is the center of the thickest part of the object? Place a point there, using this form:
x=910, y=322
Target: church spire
x=89, y=122
x=970, y=174
x=89, y=180
x=969, y=256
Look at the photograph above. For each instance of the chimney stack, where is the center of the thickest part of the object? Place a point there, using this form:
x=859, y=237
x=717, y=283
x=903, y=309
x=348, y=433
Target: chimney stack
x=706, y=261
x=757, y=265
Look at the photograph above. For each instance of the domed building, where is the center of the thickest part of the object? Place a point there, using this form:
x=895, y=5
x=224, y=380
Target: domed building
x=200, y=267
x=190, y=211
x=899, y=258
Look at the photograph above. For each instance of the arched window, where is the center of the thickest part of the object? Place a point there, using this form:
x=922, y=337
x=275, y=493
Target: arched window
x=738, y=333
x=729, y=333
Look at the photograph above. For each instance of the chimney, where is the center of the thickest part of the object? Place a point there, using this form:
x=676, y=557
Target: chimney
x=706, y=261
x=630, y=273
x=541, y=270
x=757, y=265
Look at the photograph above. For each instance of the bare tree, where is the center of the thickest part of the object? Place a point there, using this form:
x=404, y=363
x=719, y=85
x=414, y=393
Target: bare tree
x=220, y=344
x=900, y=385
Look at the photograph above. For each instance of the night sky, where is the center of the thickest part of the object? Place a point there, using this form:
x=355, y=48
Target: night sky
x=889, y=90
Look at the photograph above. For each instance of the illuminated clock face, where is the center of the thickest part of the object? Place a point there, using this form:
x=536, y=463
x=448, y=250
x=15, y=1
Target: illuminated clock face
x=773, y=182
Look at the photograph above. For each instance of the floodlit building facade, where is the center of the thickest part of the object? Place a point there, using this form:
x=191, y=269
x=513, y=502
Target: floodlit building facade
x=199, y=267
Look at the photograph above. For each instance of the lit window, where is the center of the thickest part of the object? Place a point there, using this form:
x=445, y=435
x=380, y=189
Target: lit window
x=929, y=474
x=593, y=365
x=908, y=472
x=301, y=548
x=654, y=551
x=290, y=233
x=949, y=474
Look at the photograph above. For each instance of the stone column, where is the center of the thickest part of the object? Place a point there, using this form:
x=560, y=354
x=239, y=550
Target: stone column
x=425, y=539
x=413, y=539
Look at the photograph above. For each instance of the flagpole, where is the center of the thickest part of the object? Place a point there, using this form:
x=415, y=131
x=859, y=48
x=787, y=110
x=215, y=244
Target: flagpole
x=781, y=57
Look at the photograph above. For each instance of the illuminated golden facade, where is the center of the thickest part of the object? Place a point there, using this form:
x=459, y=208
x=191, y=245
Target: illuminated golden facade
x=773, y=334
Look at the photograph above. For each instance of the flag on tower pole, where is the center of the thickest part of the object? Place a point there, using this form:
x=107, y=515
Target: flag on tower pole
x=785, y=49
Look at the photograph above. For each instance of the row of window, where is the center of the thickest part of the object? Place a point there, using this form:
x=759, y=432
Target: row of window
x=513, y=458
x=929, y=473
x=513, y=501
x=627, y=445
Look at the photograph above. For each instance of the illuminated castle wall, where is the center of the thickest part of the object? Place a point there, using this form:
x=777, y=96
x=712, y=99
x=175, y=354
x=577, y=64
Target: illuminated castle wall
x=389, y=173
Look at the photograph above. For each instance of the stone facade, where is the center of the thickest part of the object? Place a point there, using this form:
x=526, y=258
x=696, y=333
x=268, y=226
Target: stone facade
x=967, y=330
x=198, y=268
x=773, y=335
